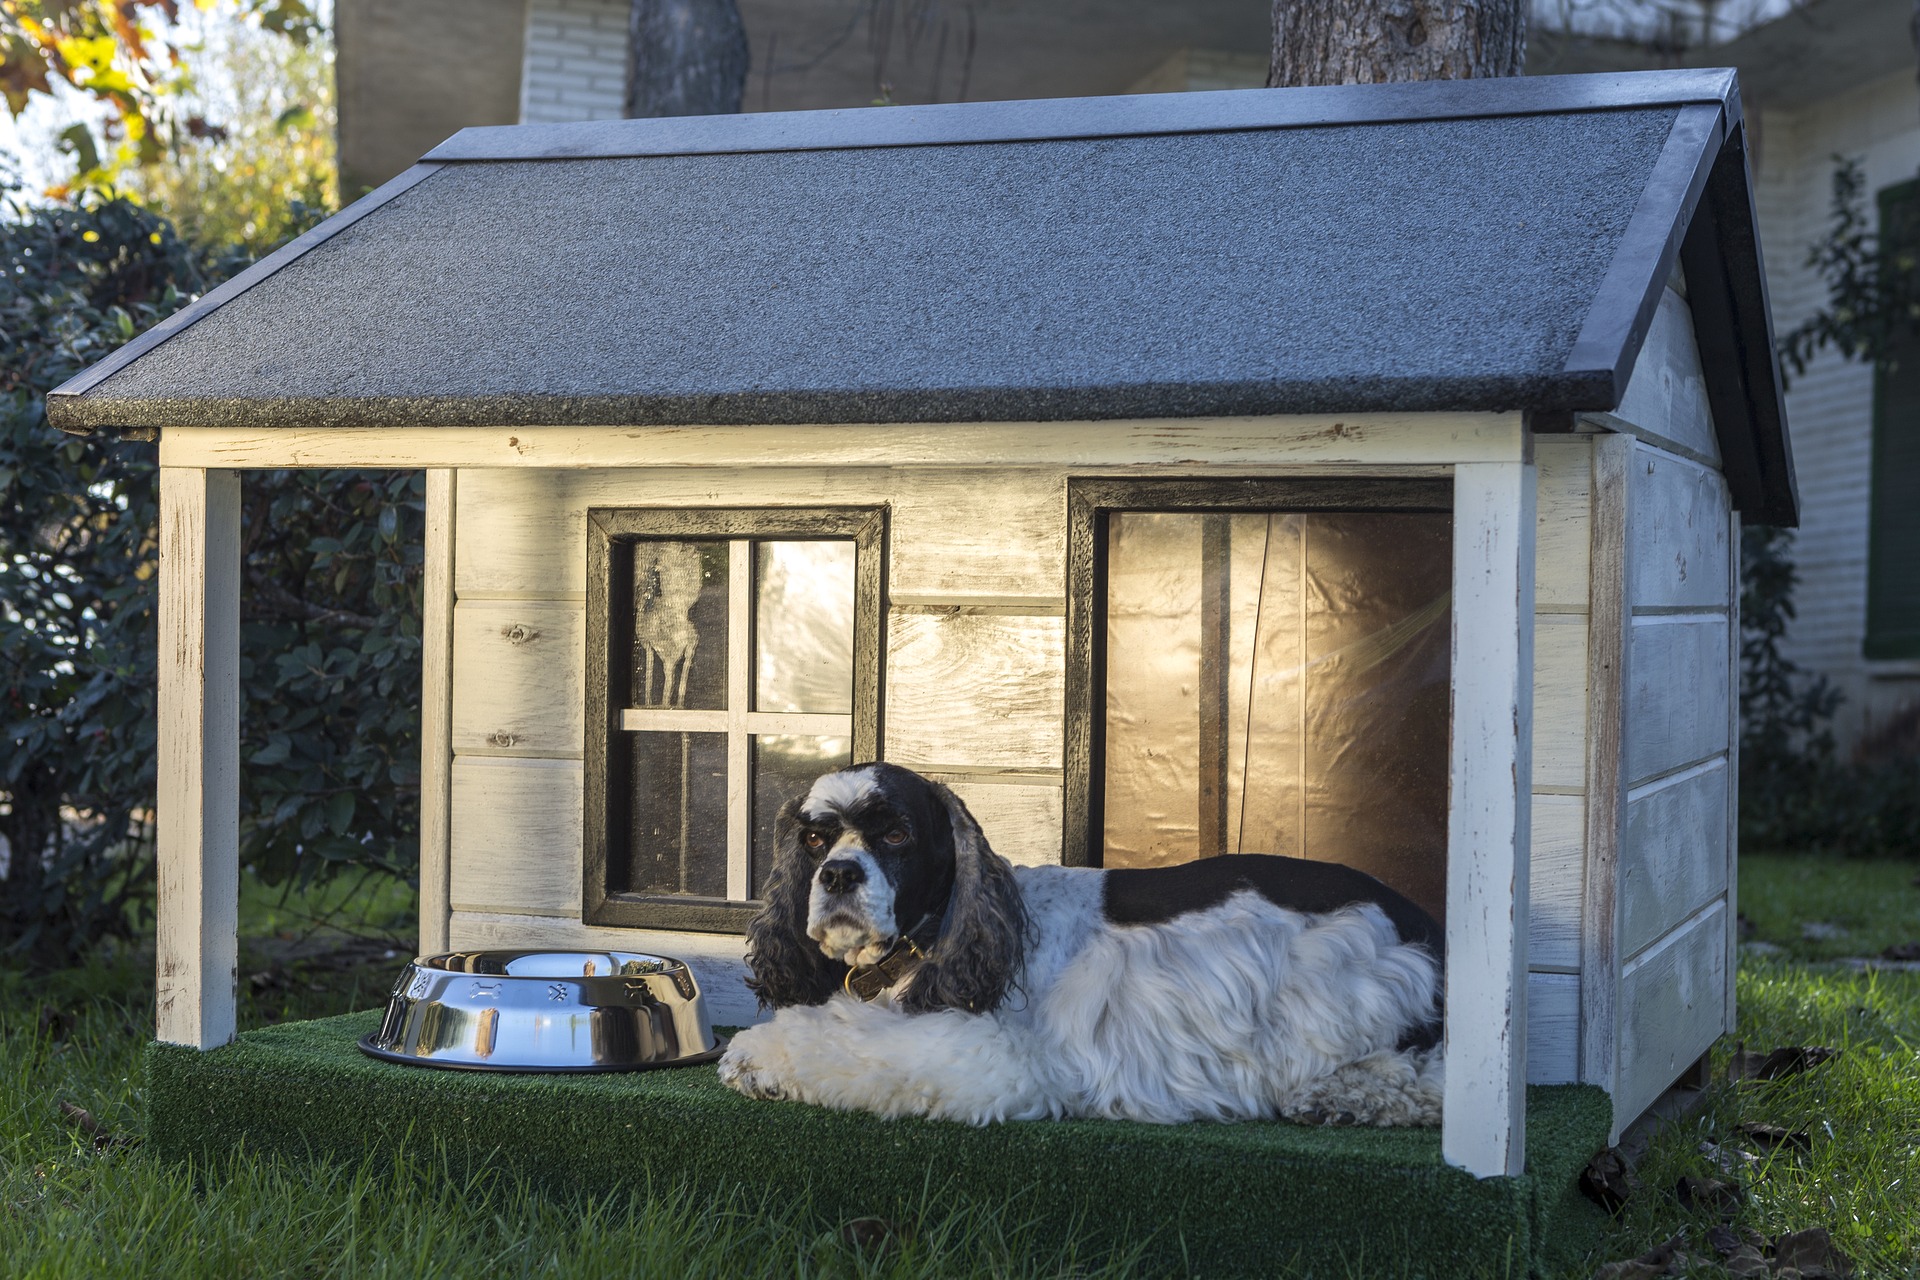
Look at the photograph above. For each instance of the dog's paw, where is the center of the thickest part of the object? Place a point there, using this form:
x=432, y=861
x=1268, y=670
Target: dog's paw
x=1319, y=1118
x=744, y=1076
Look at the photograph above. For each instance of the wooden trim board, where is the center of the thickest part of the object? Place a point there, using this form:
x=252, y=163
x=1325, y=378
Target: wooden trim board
x=1433, y=439
x=1608, y=617
x=436, y=710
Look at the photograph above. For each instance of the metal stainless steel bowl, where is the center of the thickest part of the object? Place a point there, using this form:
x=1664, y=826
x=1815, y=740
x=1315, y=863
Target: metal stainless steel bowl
x=545, y=1011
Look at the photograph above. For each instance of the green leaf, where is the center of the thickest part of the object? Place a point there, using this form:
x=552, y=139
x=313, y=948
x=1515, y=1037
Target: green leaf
x=340, y=812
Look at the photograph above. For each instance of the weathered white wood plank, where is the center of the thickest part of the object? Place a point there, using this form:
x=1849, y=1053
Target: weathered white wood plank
x=1673, y=860
x=963, y=534
x=1488, y=820
x=517, y=678
x=1672, y=999
x=717, y=959
x=1678, y=688
x=1553, y=1028
x=1733, y=774
x=1666, y=397
x=1560, y=701
x=523, y=533
x=436, y=710
x=1608, y=618
x=515, y=843
x=969, y=689
x=197, y=782
x=1020, y=821
x=1431, y=438
x=1555, y=879
x=1562, y=523
x=1679, y=557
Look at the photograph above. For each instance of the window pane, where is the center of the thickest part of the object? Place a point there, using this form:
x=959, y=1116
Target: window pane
x=784, y=768
x=803, y=627
x=680, y=624
x=679, y=830
x=1279, y=684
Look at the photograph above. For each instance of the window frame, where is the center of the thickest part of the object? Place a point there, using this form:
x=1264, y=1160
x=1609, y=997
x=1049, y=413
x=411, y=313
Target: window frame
x=612, y=533
x=1091, y=501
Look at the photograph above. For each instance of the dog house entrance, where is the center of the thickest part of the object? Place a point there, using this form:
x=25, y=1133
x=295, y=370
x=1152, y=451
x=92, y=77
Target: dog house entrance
x=1273, y=680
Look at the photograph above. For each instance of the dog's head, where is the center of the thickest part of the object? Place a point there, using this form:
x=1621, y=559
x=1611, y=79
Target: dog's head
x=872, y=853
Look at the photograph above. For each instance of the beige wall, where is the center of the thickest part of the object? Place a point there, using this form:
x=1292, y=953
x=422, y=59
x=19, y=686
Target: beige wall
x=411, y=72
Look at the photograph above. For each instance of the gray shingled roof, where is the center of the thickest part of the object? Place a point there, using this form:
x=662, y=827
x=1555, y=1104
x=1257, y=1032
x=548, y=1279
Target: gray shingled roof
x=1468, y=246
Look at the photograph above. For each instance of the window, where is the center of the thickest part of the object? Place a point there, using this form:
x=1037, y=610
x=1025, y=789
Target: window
x=733, y=657
x=1893, y=520
x=1261, y=666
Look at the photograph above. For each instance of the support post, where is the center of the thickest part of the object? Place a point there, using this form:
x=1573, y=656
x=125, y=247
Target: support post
x=436, y=713
x=1483, y=1129
x=198, y=756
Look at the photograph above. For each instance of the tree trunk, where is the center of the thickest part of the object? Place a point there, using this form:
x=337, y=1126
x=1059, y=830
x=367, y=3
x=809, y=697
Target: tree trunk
x=685, y=58
x=1375, y=41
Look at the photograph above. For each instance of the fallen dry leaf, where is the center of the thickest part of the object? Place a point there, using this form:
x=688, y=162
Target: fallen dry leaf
x=83, y=1119
x=1608, y=1180
x=1812, y=1254
x=1729, y=1159
x=1902, y=951
x=1709, y=1193
x=1787, y=1061
x=1664, y=1259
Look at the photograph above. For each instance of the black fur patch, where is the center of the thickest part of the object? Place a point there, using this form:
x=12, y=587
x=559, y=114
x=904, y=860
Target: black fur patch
x=1154, y=895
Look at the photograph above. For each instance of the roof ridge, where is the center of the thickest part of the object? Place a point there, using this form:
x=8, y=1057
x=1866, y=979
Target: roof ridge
x=1060, y=119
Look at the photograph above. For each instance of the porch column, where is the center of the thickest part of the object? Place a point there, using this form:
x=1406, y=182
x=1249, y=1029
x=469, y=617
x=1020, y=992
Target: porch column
x=1491, y=765
x=198, y=755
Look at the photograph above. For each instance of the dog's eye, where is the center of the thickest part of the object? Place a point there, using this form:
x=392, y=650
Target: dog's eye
x=814, y=841
x=897, y=836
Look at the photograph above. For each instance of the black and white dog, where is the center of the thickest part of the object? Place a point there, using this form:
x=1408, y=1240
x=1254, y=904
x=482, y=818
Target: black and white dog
x=915, y=972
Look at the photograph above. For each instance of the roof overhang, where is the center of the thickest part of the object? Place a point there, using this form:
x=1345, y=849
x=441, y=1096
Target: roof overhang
x=1038, y=304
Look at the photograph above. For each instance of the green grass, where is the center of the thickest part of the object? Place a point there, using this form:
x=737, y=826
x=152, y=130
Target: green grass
x=1874, y=904
x=1861, y=1112
x=67, y=1209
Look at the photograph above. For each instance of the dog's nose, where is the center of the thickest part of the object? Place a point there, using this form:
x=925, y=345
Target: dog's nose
x=841, y=875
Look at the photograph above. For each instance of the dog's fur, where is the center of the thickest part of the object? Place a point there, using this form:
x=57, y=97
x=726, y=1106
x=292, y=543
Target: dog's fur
x=1227, y=989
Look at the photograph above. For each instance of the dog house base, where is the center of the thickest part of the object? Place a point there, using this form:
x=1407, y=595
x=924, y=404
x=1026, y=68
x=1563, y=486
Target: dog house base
x=1210, y=1199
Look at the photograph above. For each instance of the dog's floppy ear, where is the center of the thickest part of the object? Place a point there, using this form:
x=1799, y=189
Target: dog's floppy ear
x=788, y=968
x=983, y=937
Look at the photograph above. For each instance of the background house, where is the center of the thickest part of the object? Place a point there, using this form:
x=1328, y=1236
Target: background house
x=1820, y=79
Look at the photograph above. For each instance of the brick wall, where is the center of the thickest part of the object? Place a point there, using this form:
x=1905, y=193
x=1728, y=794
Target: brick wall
x=576, y=63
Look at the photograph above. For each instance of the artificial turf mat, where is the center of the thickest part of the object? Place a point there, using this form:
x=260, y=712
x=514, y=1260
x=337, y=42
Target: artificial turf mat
x=1209, y=1199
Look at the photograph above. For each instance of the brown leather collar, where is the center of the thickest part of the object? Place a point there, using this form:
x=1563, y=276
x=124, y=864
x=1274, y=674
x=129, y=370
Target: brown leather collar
x=902, y=958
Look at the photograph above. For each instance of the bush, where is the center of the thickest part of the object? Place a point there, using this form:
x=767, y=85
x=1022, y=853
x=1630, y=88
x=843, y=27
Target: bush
x=1796, y=793
x=330, y=672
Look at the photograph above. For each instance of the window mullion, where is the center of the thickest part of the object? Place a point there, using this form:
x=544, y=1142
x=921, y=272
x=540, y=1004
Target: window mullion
x=739, y=704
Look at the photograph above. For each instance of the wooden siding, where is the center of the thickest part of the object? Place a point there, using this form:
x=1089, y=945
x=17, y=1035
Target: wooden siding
x=1563, y=521
x=1671, y=939
x=973, y=689
x=1665, y=402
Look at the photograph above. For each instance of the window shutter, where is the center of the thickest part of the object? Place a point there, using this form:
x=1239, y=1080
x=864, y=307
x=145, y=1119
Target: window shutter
x=1893, y=537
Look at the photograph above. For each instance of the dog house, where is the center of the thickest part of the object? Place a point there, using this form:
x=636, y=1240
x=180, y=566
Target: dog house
x=1348, y=473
